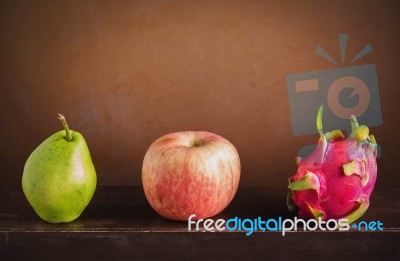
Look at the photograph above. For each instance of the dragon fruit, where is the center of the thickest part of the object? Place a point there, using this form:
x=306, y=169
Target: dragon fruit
x=336, y=180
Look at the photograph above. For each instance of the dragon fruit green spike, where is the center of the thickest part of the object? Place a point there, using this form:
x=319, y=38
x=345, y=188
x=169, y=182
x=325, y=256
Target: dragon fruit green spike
x=336, y=180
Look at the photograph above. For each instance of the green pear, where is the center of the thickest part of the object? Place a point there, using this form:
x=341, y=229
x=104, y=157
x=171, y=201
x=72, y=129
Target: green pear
x=59, y=178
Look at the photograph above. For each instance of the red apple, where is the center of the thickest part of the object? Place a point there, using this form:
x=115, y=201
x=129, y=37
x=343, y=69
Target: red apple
x=190, y=172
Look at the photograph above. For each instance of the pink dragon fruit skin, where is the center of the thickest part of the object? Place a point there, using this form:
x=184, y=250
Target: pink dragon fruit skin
x=336, y=180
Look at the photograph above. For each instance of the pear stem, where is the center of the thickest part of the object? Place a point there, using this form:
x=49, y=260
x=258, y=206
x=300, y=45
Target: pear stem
x=68, y=135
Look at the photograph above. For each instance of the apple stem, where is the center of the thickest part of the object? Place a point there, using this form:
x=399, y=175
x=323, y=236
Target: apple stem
x=68, y=135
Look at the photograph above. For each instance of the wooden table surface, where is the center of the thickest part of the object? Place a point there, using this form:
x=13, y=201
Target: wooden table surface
x=119, y=224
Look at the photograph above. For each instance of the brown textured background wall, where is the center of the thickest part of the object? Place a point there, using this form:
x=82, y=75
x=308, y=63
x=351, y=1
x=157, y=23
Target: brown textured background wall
x=126, y=72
